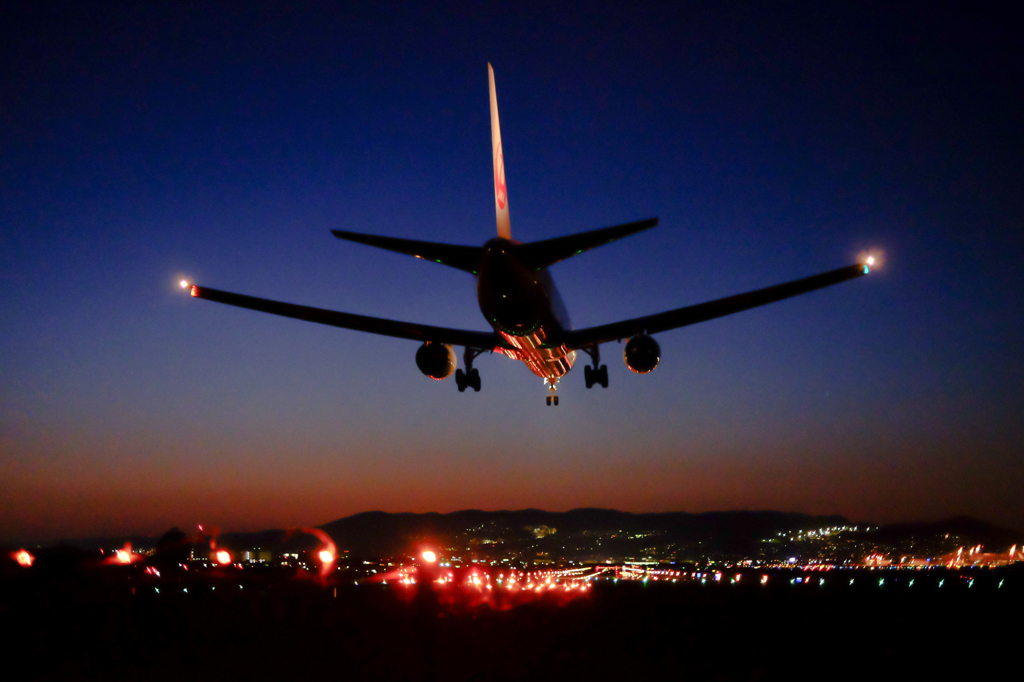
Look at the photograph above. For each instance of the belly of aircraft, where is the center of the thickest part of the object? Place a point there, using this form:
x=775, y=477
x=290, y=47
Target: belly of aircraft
x=547, y=362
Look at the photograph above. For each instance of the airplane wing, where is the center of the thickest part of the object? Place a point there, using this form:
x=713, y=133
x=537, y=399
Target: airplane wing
x=682, y=317
x=374, y=325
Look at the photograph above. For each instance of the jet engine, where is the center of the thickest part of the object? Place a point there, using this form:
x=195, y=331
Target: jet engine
x=642, y=354
x=436, y=360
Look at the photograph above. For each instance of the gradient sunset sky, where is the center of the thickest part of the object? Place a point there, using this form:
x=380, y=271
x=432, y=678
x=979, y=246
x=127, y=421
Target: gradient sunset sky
x=143, y=143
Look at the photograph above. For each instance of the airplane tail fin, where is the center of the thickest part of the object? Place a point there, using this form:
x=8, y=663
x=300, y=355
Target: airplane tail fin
x=500, y=188
x=537, y=255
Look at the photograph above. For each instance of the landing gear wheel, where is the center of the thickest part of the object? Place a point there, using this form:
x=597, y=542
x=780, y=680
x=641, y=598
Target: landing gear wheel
x=556, y=401
x=596, y=374
x=471, y=377
x=549, y=401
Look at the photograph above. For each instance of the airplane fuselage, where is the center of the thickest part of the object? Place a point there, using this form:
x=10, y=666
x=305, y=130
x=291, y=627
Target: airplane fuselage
x=523, y=306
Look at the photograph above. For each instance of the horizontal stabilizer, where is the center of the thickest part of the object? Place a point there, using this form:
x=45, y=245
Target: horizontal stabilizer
x=537, y=255
x=453, y=255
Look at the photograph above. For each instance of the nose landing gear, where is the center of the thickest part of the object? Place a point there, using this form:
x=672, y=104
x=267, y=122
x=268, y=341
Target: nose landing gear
x=552, y=399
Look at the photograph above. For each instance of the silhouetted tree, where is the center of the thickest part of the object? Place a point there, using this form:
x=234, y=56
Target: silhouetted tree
x=172, y=549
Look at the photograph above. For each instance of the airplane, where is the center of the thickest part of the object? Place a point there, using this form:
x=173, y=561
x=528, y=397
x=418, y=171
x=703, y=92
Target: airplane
x=521, y=303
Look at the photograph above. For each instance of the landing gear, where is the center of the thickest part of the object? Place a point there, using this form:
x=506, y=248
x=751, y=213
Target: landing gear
x=471, y=377
x=552, y=399
x=598, y=374
x=466, y=380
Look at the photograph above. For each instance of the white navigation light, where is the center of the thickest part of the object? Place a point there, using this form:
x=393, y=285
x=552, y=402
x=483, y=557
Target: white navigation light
x=184, y=284
x=871, y=260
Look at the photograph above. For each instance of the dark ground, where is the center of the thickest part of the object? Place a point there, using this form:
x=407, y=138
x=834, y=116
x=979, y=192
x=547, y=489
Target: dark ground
x=69, y=623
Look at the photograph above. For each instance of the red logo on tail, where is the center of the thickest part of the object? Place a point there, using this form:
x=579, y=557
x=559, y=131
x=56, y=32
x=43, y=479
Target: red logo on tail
x=500, y=189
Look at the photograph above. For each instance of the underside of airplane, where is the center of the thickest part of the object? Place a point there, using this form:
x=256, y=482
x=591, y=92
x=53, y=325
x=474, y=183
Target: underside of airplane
x=519, y=300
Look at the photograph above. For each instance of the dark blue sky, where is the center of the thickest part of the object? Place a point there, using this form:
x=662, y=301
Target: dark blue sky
x=142, y=144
